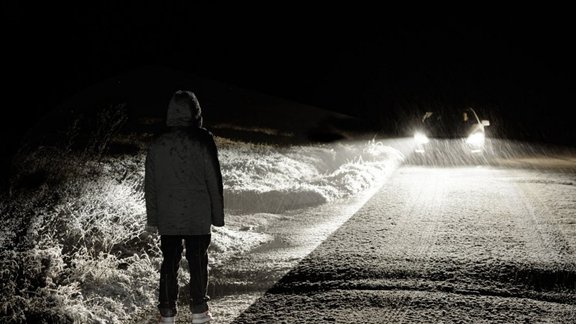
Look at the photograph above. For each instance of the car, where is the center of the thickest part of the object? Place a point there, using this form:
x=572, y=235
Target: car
x=450, y=134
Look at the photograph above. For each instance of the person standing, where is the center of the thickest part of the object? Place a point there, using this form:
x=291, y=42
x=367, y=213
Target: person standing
x=184, y=199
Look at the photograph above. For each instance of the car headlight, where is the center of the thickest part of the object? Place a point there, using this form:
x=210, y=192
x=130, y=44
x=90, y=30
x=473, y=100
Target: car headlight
x=420, y=138
x=476, y=139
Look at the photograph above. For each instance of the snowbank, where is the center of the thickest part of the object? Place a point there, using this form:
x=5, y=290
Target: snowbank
x=260, y=178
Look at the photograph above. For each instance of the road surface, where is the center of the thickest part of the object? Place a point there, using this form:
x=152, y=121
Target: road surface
x=451, y=244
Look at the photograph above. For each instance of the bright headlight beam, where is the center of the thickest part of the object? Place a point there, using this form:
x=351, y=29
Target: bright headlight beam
x=421, y=138
x=476, y=139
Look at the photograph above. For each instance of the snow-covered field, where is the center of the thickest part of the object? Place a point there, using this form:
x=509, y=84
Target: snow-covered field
x=73, y=248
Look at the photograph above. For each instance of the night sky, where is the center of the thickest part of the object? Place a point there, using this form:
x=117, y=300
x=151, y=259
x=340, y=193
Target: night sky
x=514, y=65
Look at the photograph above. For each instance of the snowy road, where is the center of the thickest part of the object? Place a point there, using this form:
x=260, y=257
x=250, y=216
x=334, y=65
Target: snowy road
x=453, y=244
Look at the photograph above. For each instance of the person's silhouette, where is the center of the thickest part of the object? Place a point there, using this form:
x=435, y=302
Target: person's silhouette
x=184, y=198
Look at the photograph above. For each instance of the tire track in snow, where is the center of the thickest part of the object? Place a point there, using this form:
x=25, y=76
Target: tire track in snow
x=414, y=225
x=550, y=243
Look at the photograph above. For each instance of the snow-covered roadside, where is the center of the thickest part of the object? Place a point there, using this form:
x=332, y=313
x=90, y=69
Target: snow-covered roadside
x=262, y=183
x=74, y=248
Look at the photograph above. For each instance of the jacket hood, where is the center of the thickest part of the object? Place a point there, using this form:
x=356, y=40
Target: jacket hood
x=184, y=110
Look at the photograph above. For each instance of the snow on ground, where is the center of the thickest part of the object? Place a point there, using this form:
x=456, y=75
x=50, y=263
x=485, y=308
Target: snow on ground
x=264, y=240
x=75, y=228
x=72, y=245
x=261, y=182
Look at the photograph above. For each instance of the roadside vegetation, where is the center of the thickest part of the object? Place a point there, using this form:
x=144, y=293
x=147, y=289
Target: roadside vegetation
x=73, y=246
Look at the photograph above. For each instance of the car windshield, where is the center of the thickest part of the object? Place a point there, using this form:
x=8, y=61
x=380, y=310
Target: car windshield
x=449, y=123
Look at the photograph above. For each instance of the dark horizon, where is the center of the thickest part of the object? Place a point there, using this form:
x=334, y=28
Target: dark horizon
x=512, y=65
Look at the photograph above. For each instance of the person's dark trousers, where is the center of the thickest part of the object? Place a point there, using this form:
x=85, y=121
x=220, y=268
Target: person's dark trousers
x=197, y=256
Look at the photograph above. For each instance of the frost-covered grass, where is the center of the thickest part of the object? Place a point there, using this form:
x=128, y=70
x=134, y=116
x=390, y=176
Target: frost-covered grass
x=272, y=179
x=73, y=246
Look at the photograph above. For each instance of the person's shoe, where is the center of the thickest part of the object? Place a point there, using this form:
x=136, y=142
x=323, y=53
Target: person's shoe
x=167, y=314
x=164, y=320
x=201, y=317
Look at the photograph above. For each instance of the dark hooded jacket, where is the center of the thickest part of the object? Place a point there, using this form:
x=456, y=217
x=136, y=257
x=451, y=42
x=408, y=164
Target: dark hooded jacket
x=183, y=182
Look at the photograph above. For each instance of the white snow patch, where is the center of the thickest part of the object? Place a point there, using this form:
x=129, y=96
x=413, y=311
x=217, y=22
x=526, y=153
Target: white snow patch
x=259, y=178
